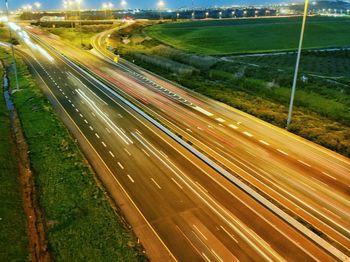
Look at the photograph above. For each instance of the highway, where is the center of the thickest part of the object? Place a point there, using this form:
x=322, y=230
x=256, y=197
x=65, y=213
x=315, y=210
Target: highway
x=196, y=212
x=306, y=180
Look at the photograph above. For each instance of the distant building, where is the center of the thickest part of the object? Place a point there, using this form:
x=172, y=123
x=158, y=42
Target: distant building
x=52, y=18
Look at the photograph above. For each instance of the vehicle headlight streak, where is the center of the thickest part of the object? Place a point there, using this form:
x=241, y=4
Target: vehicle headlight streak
x=103, y=115
x=25, y=37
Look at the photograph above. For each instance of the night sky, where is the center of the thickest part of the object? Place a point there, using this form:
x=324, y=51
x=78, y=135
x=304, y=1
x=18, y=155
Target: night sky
x=55, y=4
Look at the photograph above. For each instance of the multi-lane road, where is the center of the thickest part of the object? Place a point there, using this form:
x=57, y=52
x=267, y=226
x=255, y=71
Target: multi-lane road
x=197, y=214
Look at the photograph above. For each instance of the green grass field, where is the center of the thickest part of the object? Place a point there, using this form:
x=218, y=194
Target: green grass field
x=221, y=37
x=13, y=235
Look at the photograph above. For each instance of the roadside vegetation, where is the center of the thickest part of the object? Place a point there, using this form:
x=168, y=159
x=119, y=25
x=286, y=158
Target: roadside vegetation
x=259, y=85
x=80, y=223
x=73, y=34
x=13, y=231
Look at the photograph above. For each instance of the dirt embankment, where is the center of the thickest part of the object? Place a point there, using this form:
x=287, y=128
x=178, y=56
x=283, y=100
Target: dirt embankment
x=35, y=226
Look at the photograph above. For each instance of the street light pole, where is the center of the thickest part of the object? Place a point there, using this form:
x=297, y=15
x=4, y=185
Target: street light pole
x=81, y=37
x=12, y=48
x=289, y=120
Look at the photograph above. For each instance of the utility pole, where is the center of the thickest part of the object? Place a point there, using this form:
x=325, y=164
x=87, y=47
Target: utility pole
x=289, y=120
x=79, y=11
x=12, y=48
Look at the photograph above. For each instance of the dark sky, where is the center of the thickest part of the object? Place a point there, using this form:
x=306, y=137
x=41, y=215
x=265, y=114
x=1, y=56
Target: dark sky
x=55, y=4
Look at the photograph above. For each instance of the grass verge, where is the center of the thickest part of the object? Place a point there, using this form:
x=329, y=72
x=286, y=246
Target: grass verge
x=13, y=233
x=80, y=223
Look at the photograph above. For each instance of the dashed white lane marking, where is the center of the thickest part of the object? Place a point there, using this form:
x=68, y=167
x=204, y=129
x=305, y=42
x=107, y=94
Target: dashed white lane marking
x=93, y=114
x=97, y=135
x=104, y=144
x=156, y=183
x=144, y=151
x=111, y=154
x=325, y=173
x=201, y=187
x=77, y=109
x=132, y=180
x=264, y=142
x=69, y=101
x=233, y=126
x=86, y=121
x=127, y=152
x=250, y=153
x=199, y=128
x=73, y=105
x=200, y=232
x=92, y=129
x=247, y=134
x=217, y=256
x=306, y=164
x=282, y=152
x=66, y=97
x=120, y=165
x=81, y=115
x=176, y=183
x=220, y=120
x=206, y=258
x=228, y=233
x=207, y=113
x=108, y=130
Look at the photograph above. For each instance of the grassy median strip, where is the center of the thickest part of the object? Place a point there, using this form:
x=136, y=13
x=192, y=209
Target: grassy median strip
x=80, y=223
x=13, y=235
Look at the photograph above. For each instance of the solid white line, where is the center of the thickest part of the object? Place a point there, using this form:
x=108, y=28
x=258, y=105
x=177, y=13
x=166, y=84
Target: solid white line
x=247, y=134
x=97, y=135
x=120, y=165
x=111, y=154
x=264, y=142
x=156, y=183
x=132, y=180
x=306, y=164
x=233, y=126
x=282, y=152
x=104, y=144
x=176, y=183
x=329, y=175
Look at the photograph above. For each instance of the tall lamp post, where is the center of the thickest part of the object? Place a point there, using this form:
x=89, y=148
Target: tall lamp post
x=290, y=113
x=104, y=8
x=79, y=12
x=161, y=5
x=12, y=48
